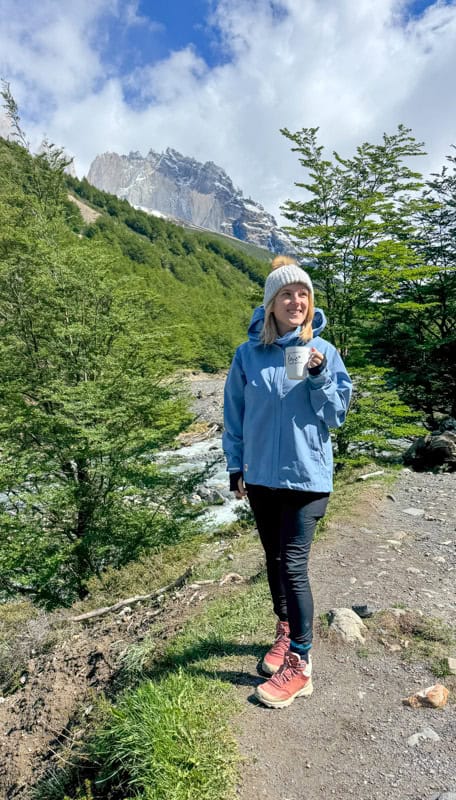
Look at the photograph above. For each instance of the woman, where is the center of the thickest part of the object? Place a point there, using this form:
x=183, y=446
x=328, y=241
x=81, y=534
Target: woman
x=279, y=455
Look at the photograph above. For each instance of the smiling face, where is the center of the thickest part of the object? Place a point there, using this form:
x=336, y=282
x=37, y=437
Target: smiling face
x=290, y=307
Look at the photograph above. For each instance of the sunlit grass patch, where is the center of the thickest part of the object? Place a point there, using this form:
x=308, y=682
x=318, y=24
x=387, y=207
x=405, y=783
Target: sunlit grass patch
x=232, y=629
x=350, y=495
x=240, y=553
x=239, y=622
x=170, y=740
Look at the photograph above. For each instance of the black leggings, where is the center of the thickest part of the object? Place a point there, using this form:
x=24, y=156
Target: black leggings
x=286, y=520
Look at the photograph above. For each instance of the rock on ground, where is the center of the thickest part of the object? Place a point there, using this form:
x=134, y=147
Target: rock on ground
x=345, y=624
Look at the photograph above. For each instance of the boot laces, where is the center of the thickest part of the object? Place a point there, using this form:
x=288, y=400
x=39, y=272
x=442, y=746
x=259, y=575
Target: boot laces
x=282, y=638
x=290, y=667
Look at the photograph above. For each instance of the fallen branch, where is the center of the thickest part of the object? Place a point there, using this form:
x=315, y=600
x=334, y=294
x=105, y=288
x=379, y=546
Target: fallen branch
x=99, y=612
x=197, y=584
x=371, y=475
x=230, y=577
x=192, y=598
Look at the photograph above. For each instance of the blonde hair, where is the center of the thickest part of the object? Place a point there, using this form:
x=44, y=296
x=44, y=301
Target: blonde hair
x=282, y=261
x=270, y=332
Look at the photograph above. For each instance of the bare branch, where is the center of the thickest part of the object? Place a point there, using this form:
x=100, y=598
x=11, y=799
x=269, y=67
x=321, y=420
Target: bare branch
x=99, y=612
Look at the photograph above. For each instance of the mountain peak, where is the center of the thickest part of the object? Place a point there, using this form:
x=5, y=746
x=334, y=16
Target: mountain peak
x=180, y=187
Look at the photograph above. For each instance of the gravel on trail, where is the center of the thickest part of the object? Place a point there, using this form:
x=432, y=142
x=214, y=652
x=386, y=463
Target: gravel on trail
x=350, y=739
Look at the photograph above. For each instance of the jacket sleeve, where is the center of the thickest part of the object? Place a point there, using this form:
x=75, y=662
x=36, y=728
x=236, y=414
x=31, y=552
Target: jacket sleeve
x=331, y=390
x=233, y=411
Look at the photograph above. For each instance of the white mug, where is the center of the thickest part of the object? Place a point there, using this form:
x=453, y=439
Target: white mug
x=296, y=359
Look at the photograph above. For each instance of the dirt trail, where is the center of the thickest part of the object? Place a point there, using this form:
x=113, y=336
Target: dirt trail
x=350, y=738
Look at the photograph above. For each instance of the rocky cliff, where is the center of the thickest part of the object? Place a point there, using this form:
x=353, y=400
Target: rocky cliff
x=182, y=188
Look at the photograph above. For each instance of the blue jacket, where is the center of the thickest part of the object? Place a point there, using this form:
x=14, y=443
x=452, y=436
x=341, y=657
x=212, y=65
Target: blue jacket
x=277, y=430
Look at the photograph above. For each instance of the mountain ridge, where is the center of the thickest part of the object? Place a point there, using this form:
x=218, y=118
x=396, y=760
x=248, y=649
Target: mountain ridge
x=182, y=188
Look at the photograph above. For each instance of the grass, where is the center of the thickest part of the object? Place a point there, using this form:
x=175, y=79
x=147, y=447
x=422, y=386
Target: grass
x=143, y=576
x=218, y=639
x=241, y=554
x=422, y=638
x=169, y=740
x=440, y=668
x=349, y=499
x=227, y=628
x=169, y=734
x=323, y=625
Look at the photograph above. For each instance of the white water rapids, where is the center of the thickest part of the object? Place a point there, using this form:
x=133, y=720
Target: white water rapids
x=216, y=486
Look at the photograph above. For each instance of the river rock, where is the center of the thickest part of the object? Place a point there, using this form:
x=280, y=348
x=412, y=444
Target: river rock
x=414, y=512
x=426, y=733
x=433, y=450
x=347, y=625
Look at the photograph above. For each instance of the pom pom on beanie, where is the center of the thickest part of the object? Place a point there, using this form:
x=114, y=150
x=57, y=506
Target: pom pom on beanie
x=282, y=276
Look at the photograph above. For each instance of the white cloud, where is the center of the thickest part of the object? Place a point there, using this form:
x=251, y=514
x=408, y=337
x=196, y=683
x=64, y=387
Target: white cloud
x=132, y=18
x=165, y=83
x=47, y=53
x=356, y=69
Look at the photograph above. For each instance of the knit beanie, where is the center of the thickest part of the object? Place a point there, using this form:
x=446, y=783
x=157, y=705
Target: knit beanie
x=283, y=276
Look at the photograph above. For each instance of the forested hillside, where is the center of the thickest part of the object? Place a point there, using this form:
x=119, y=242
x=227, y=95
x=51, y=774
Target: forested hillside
x=97, y=320
x=206, y=287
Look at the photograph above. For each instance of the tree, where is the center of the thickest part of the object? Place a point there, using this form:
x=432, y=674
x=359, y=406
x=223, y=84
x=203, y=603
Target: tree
x=357, y=226
x=417, y=331
x=378, y=417
x=86, y=396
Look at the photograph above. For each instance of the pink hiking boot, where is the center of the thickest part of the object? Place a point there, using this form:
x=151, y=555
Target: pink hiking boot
x=274, y=658
x=293, y=679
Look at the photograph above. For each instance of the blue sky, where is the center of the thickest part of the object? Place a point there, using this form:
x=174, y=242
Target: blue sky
x=217, y=79
x=161, y=28
x=157, y=30
x=169, y=25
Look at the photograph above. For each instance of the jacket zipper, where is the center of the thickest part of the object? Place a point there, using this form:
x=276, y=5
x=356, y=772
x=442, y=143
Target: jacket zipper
x=278, y=382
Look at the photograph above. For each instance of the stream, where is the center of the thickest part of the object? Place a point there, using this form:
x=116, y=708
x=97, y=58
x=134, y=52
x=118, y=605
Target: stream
x=215, y=490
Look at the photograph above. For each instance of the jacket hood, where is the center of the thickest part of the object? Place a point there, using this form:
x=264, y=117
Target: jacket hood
x=256, y=325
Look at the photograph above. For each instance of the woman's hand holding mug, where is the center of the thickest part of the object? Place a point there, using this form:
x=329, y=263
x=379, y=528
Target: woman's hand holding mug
x=315, y=358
